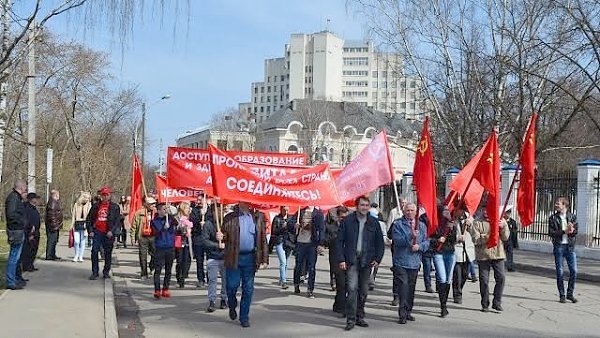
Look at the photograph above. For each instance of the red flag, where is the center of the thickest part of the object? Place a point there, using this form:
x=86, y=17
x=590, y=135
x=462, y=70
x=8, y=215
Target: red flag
x=460, y=183
x=371, y=169
x=487, y=173
x=137, y=181
x=526, y=191
x=424, y=178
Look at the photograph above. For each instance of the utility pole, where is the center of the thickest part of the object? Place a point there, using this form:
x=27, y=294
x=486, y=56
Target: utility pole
x=143, y=133
x=31, y=113
x=5, y=23
x=161, y=161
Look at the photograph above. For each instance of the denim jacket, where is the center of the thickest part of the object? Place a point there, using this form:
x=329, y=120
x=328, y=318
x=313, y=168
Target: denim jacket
x=402, y=239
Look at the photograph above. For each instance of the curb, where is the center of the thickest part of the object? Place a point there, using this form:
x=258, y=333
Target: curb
x=551, y=272
x=111, y=329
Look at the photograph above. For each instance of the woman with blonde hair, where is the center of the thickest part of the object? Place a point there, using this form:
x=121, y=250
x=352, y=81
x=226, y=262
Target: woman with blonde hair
x=79, y=215
x=183, y=241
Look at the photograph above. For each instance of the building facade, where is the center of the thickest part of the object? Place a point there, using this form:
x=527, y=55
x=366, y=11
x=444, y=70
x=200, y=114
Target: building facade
x=323, y=66
x=223, y=139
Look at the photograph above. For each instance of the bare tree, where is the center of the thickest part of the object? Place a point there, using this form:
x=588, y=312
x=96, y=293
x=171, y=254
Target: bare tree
x=492, y=63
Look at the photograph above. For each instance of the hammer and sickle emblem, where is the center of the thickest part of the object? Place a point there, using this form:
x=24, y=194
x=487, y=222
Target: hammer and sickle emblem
x=531, y=139
x=490, y=158
x=423, y=145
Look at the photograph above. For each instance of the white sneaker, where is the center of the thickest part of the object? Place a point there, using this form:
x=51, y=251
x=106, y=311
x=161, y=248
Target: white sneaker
x=74, y=259
x=80, y=259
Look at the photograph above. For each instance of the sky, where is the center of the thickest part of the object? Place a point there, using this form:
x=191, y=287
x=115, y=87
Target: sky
x=208, y=64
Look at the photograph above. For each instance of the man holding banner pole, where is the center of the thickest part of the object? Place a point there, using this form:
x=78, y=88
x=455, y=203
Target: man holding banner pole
x=246, y=250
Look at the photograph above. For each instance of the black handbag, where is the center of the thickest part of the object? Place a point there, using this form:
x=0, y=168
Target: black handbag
x=15, y=236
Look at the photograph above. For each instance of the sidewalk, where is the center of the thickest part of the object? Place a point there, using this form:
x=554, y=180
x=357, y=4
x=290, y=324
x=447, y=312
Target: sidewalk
x=543, y=264
x=58, y=301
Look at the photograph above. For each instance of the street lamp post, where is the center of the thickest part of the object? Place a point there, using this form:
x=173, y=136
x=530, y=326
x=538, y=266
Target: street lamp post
x=143, y=126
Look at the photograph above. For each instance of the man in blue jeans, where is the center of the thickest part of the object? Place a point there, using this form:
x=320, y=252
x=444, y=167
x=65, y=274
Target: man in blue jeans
x=15, y=225
x=360, y=247
x=562, y=228
x=246, y=250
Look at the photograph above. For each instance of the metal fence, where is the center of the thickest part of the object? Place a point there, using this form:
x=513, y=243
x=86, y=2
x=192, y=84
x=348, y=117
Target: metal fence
x=547, y=191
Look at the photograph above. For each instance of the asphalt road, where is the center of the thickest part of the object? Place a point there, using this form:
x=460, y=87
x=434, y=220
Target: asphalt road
x=531, y=309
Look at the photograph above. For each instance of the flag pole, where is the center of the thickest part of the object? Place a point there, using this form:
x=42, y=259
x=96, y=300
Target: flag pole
x=514, y=180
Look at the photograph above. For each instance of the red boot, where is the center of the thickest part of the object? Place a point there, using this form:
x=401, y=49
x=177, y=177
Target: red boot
x=166, y=293
x=157, y=294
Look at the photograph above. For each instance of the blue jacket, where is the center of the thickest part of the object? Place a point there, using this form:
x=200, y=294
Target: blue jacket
x=318, y=222
x=164, y=238
x=347, y=238
x=402, y=240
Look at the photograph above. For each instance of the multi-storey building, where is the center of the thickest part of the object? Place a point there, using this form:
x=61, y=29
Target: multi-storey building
x=323, y=66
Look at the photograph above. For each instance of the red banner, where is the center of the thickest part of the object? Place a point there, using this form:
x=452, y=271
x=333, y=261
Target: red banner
x=371, y=169
x=171, y=194
x=190, y=167
x=233, y=180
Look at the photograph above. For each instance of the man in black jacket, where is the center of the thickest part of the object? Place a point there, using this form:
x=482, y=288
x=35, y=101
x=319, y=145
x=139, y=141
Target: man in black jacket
x=32, y=232
x=54, y=223
x=562, y=228
x=280, y=239
x=103, y=225
x=360, y=247
x=15, y=225
x=196, y=217
x=339, y=276
x=212, y=242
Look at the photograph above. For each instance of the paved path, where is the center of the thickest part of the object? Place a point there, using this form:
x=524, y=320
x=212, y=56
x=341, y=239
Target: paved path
x=59, y=301
x=543, y=264
x=530, y=303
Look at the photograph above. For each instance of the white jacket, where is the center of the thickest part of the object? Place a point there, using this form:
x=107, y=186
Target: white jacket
x=464, y=251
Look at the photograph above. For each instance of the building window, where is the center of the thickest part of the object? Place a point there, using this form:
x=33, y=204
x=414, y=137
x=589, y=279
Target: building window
x=357, y=83
x=255, y=90
x=281, y=107
x=411, y=95
x=374, y=74
x=402, y=84
x=355, y=73
x=282, y=78
x=262, y=99
x=275, y=89
x=222, y=144
x=255, y=99
x=268, y=109
x=287, y=96
x=374, y=95
x=262, y=89
x=292, y=149
x=268, y=79
x=383, y=73
x=402, y=105
x=412, y=105
x=262, y=109
x=256, y=109
x=374, y=84
x=382, y=105
x=356, y=61
x=355, y=94
x=268, y=89
x=413, y=84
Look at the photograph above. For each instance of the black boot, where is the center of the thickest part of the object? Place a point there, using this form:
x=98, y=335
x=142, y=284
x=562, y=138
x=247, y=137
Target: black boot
x=444, y=288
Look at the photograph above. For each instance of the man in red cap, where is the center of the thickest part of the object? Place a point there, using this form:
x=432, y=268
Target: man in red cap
x=104, y=226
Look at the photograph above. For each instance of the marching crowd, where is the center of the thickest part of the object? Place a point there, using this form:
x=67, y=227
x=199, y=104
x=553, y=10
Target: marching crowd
x=229, y=244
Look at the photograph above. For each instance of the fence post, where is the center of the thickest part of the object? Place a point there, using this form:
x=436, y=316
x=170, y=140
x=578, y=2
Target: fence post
x=587, y=213
x=508, y=173
x=407, y=188
x=450, y=175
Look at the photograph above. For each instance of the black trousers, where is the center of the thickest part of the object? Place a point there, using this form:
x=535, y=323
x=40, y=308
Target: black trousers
x=484, y=275
x=508, y=247
x=459, y=278
x=406, y=280
x=358, y=284
x=199, y=253
x=51, y=243
x=163, y=258
x=27, y=255
x=184, y=261
x=339, y=278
